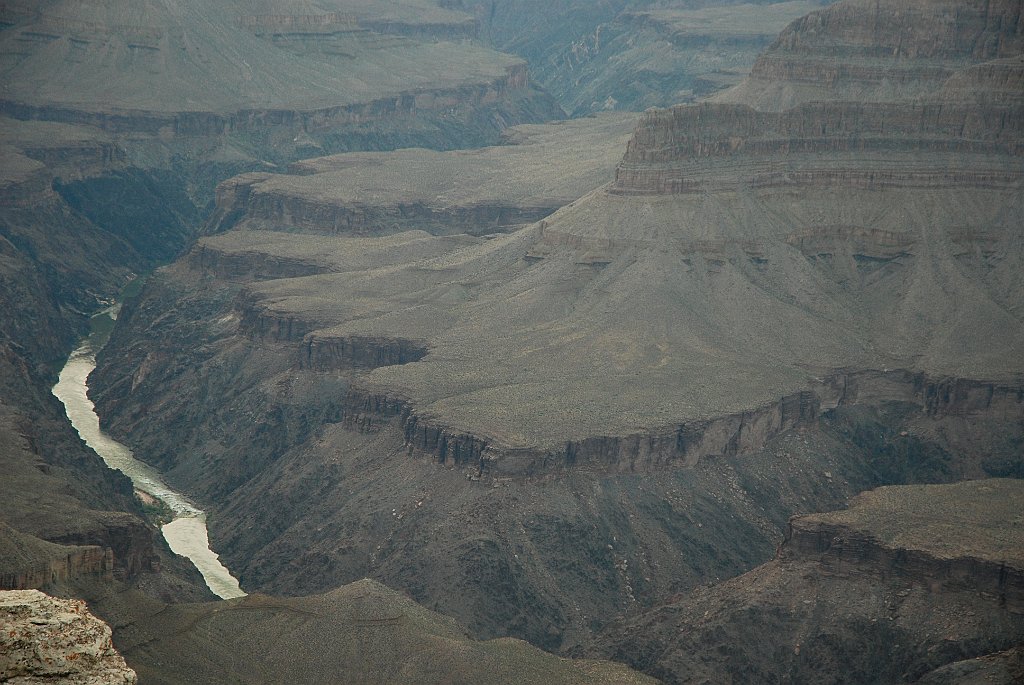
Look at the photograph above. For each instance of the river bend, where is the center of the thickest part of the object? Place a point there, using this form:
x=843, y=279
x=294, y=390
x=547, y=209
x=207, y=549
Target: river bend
x=186, y=534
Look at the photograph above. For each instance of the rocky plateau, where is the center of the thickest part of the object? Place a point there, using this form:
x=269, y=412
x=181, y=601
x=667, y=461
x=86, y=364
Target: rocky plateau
x=584, y=383
x=610, y=404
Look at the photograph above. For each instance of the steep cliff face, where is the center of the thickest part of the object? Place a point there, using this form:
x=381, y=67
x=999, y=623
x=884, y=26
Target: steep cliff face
x=673, y=151
x=62, y=257
x=566, y=543
x=620, y=401
x=633, y=54
x=31, y=563
x=119, y=119
x=492, y=189
x=861, y=50
x=659, y=54
x=909, y=583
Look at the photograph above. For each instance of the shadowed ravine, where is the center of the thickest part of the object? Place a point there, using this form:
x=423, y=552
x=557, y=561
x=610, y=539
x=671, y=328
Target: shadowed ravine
x=186, y=534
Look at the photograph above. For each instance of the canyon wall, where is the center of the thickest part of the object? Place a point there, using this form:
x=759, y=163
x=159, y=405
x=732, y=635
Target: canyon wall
x=934, y=570
x=840, y=550
x=869, y=51
x=686, y=444
x=30, y=563
x=673, y=150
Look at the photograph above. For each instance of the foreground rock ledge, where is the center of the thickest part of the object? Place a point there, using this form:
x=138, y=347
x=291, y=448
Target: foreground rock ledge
x=45, y=639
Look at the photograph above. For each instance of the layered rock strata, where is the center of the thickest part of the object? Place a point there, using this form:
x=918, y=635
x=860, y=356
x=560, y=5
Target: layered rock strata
x=633, y=54
x=903, y=533
x=538, y=170
x=705, y=213
x=118, y=121
x=933, y=573
x=927, y=145
x=30, y=563
x=828, y=313
x=879, y=51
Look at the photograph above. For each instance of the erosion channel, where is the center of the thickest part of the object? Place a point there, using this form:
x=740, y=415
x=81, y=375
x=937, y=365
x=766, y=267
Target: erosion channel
x=186, y=534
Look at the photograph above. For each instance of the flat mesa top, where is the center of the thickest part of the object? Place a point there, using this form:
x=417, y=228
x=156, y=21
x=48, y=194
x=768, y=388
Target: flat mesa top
x=733, y=20
x=982, y=519
x=106, y=55
x=545, y=164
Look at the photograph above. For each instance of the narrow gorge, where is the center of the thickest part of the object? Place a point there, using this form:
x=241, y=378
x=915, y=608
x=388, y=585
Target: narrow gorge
x=679, y=342
x=186, y=533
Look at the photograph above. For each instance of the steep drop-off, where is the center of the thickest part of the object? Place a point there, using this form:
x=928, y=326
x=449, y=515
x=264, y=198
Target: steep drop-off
x=762, y=315
x=880, y=51
x=633, y=54
x=119, y=120
x=908, y=584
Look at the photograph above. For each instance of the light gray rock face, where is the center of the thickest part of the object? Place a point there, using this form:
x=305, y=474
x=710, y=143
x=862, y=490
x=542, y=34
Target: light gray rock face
x=45, y=639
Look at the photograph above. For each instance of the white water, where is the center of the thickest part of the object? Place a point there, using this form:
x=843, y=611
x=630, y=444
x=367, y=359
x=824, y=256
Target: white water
x=186, y=534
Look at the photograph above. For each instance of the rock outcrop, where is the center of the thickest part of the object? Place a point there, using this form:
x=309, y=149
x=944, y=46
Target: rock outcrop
x=119, y=119
x=633, y=54
x=906, y=584
x=674, y=151
x=31, y=563
x=538, y=170
x=45, y=639
x=862, y=50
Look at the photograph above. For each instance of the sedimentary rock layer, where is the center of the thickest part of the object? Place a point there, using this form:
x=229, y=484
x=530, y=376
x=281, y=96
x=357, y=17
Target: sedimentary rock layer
x=915, y=533
x=883, y=145
x=879, y=51
x=821, y=317
x=906, y=581
x=31, y=563
x=210, y=66
x=539, y=169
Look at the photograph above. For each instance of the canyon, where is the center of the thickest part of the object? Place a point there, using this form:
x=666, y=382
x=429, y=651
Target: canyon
x=96, y=158
x=575, y=382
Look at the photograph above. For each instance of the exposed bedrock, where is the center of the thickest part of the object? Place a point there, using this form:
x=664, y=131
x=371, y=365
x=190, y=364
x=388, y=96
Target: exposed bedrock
x=330, y=217
x=675, y=150
x=687, y=443
x=45, y=639
x=531, y=547
x=119, y=121
x=318, y=121
x=911, y=583
x=840, y=550
x=996, y=82
x=628, y=398
x=286, y=29
x=536, y=170
x=879, y=51
x=633, y=54
x=231, y=266
x=31, y=563
x=348, y=352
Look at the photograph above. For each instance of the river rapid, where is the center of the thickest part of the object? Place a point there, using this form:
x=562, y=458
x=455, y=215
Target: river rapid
x=186, y=534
